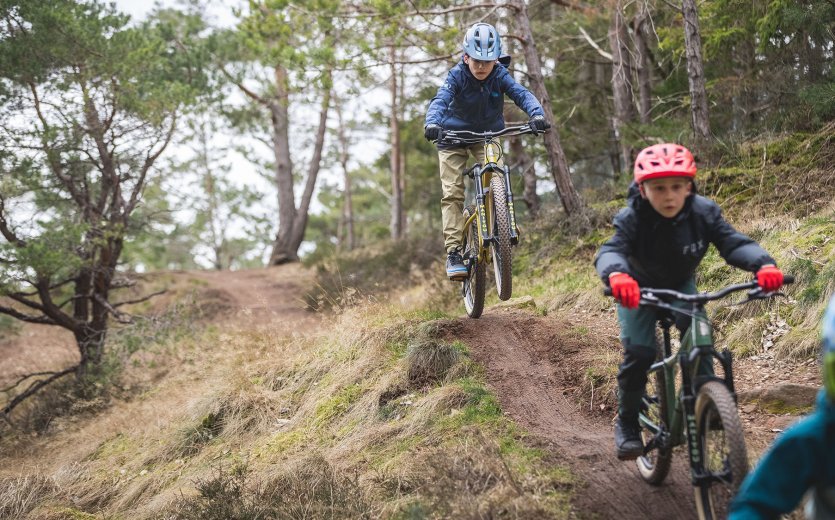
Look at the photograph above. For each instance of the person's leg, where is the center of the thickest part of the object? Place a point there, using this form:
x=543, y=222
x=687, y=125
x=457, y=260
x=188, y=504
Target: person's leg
x=452, y=164
x=637, y=334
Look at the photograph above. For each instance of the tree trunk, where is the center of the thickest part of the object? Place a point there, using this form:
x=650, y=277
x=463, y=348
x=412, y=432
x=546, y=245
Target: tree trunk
x=524, y=164
x=644, y=66
x=556, y=156
x=403, y=165
x=396, y=223
x=282, y=248
x=300, y=224
x=292, y=222
x=213, y=206
x=743, y=54
x=621, y=80
x=695, y=71
x=346, y=236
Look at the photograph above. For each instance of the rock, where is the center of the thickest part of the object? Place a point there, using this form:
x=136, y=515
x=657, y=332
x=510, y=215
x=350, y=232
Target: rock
x=783, y=398
x=523, y=302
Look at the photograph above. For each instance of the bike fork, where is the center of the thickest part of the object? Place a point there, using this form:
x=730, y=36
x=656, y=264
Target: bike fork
x=514, y=235
x=480, y=207
x=688, y=400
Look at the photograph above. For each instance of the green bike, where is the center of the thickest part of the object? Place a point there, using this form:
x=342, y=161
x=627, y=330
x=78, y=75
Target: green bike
x=698, y=407
x=490, y=220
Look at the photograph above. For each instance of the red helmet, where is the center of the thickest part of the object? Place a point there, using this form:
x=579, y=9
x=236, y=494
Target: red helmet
x=664, y=160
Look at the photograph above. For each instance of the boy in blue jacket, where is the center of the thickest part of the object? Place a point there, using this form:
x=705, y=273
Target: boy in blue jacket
x=471, y=98
x=660, y=239
x=802, y=458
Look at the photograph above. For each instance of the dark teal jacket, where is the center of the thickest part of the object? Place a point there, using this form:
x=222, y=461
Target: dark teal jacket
x=801, y=459
x=664, y=252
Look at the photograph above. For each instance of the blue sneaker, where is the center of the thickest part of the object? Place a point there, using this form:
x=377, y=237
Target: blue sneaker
x=455, y=268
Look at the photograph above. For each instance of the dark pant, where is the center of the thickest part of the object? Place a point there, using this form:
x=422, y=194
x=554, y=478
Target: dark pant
x=637, y=335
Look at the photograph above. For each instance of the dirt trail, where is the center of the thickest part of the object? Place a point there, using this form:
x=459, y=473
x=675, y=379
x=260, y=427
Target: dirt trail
x=260, y=296
x=532, y=363
x=271, y=296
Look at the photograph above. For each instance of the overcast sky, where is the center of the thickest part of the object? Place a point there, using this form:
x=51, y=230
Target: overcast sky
x=220, y=11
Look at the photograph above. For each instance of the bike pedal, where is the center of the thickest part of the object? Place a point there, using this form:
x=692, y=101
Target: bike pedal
x=459, y=278
x=629, y=455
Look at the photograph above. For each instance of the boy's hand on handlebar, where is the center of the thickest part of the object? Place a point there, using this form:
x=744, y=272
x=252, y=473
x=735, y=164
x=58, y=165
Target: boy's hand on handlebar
x=625, y=290
x=770, y=278
x=432, y=132
x=539, y=124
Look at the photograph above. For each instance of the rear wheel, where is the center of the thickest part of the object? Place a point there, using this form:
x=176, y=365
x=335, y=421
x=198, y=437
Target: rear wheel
x=500, y=246
x=655, y=465
x=723, y=449
x=475, y=284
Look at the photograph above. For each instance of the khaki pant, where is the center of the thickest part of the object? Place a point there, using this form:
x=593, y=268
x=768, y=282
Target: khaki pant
x=453, y=163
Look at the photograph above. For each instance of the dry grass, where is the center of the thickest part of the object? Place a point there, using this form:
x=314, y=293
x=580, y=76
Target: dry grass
x=254, y=422
x=429, y=361
x=20, y=495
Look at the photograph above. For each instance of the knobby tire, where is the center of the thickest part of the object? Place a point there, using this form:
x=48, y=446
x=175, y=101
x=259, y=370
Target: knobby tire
x=474, y=286
x=500, y=246
x=655, y=465
x=723, y=448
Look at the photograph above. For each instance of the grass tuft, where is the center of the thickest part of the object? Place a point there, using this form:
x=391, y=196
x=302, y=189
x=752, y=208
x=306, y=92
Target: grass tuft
x=429, y=361
x=20, y=495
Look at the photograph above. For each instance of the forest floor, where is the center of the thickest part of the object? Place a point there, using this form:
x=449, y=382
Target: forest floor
x=537, y=366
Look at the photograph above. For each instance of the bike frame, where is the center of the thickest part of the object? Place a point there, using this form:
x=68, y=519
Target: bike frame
x=696, y=345
x=481, y=176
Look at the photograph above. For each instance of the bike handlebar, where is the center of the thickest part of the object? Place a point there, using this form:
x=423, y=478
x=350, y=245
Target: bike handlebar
x=650, y=295
x=468, y=137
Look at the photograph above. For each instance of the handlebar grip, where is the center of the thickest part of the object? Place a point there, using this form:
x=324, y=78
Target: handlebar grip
x=607, y=291
x=787, y=278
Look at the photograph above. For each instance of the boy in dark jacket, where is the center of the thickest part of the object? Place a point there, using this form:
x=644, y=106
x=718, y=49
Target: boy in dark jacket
x=472, y=98
x=660, y=239
x=802, y=459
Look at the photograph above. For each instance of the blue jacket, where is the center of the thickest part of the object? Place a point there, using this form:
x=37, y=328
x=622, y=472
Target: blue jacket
x=665, y=252
x=465, y=103
x=802, y=458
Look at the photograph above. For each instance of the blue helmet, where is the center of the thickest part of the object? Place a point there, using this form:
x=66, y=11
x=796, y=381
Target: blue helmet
x=828, y=346
x=482, y=42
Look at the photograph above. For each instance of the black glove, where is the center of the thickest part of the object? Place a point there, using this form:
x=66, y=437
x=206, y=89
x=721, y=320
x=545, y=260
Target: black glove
x=432, y=132
x=539, y=124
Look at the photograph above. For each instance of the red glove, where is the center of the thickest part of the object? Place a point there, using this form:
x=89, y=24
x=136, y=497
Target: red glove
x=625, y=290
x=770, y=278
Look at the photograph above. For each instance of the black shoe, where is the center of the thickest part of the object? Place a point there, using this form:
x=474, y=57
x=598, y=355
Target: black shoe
x=628, y=439
x=455, y=268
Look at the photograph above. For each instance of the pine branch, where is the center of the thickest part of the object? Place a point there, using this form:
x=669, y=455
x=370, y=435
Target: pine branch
x=121, y=317
x=44, y=320
x=139, y=300
x=34, y=388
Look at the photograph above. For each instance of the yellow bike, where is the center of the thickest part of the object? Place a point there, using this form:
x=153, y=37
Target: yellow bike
x=490, y=221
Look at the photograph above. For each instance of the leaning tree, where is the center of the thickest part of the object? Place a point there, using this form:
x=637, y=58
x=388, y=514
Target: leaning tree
x=87, y=106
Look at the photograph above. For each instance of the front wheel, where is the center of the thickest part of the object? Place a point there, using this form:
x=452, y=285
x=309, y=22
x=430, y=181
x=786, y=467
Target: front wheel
x=723, y=450
x=655, y=464
x=500, y=246
x=474, y=285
